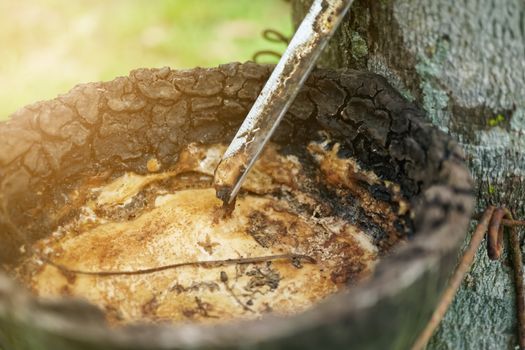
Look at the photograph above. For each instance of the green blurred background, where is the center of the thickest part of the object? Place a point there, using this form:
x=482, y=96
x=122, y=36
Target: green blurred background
x=48, y=46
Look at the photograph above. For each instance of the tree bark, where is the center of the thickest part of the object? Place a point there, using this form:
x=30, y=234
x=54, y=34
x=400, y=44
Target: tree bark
x=463, y=62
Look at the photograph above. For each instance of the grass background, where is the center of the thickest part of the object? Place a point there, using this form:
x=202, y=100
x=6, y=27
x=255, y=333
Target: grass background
x=48, y=46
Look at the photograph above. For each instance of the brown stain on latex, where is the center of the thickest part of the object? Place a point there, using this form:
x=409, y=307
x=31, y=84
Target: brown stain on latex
x=176, y=222
x=346, y=174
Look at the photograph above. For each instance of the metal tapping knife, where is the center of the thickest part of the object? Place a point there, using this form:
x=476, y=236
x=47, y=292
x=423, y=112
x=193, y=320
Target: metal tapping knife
x=277, y=95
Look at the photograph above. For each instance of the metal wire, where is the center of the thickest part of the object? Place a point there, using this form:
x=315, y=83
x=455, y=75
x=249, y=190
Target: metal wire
x=274, y=36
x=493, y=222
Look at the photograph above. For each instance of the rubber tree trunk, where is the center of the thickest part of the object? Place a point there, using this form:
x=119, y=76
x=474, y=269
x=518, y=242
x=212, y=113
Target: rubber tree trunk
x=464, y=63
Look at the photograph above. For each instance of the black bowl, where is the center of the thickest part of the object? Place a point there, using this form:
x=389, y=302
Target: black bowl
x=118, y=125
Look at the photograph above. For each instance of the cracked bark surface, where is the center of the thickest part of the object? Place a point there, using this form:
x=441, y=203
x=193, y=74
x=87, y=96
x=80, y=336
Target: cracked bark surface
x=464, y=64
x=117, y=126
